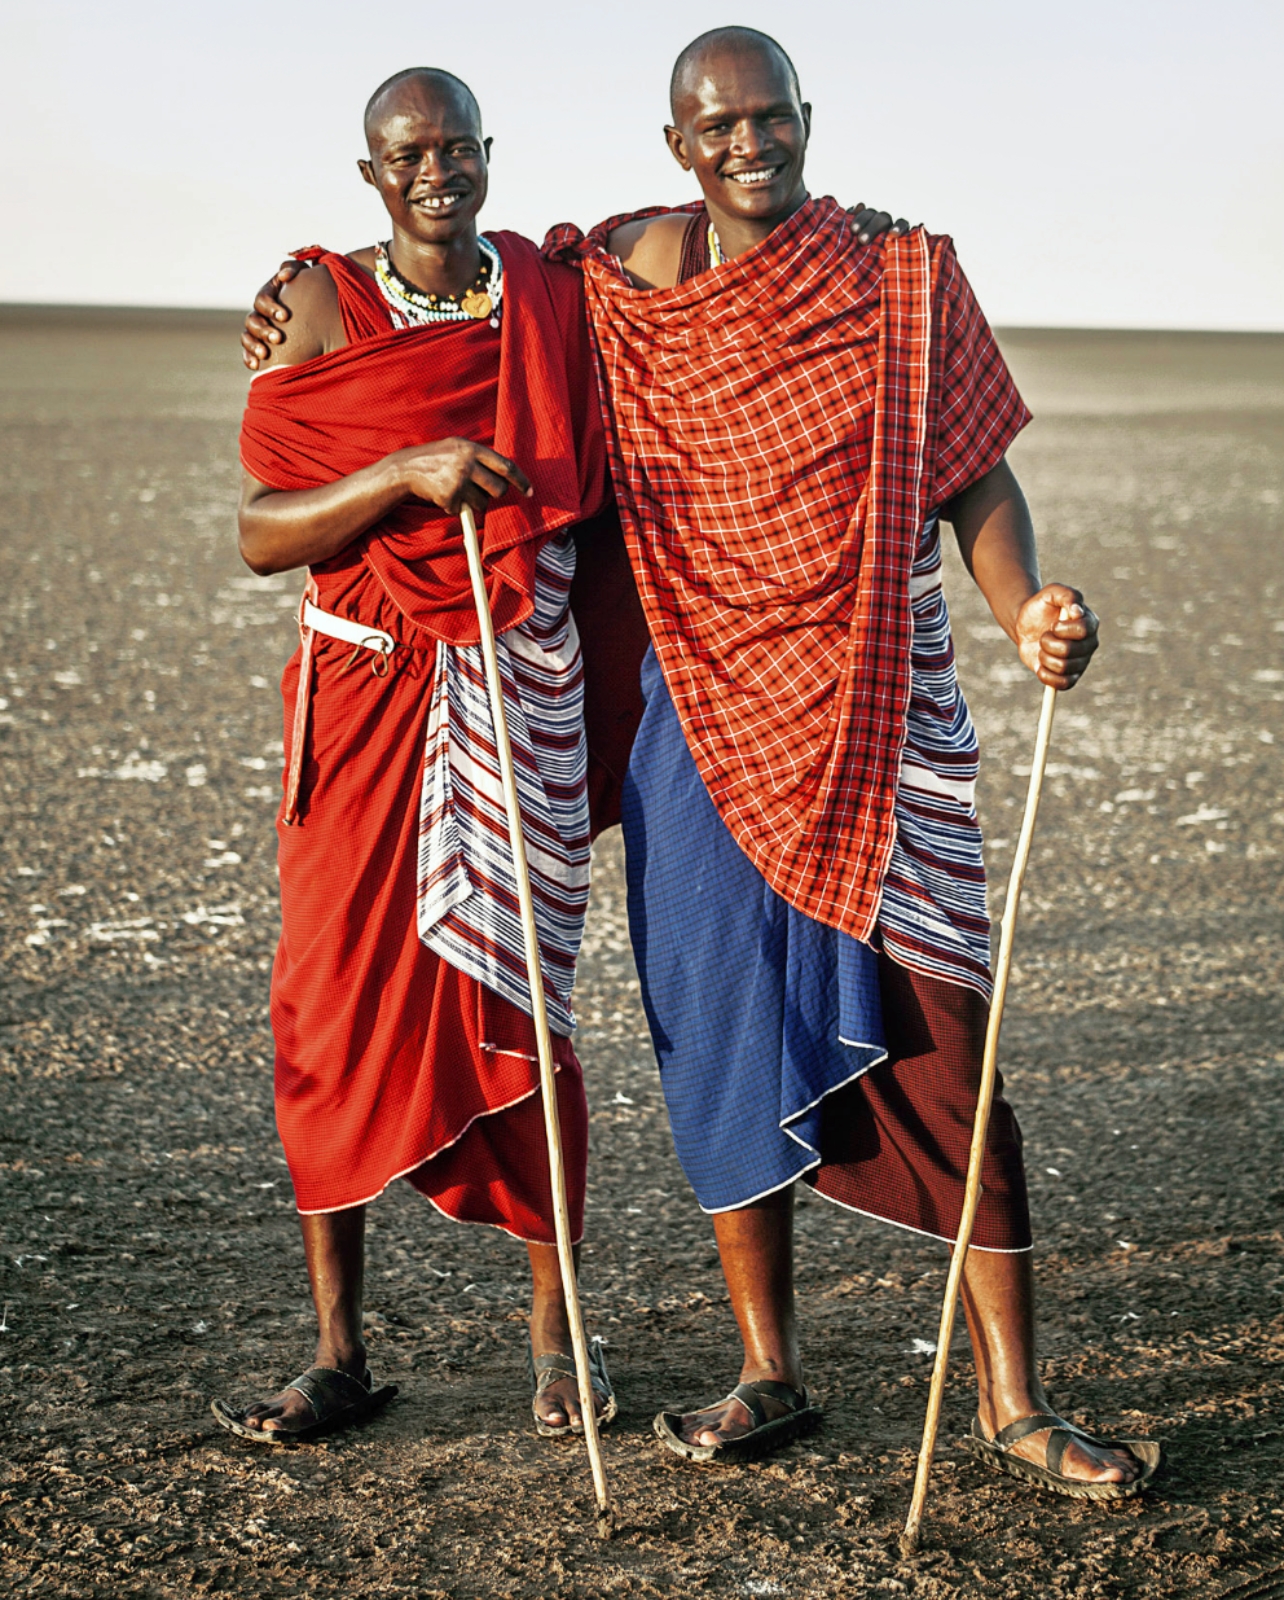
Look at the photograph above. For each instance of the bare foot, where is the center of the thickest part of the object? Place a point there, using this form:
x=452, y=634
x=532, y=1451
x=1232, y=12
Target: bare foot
x=560, y=1402
x=730, y=1418
x=1085, y=1462
x=290, y=1411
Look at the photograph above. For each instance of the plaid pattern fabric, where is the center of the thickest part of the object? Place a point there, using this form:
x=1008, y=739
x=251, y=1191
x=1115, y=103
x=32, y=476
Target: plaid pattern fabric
x=779, y=428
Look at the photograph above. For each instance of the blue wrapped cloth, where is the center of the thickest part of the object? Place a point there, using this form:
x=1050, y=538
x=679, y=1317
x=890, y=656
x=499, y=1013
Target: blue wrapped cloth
x=756, y=1011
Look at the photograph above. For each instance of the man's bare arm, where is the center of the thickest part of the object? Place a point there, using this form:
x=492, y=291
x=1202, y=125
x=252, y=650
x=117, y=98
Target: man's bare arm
x=316, y=323
x=650, y=250
x=283, y=529
x=1053, y=629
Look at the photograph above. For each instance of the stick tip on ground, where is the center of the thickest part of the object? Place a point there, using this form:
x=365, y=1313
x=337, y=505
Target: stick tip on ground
x=605, y=1524
x=909, y=1544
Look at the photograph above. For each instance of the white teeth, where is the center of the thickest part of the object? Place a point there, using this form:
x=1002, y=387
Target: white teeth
x=763, y=175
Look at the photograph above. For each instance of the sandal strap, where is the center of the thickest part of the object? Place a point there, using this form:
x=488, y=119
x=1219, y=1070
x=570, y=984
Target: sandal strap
x=328, y=1390
x=1057, y=1442
x=1023, y=1427
x=1036, y=1422
x=550, y=1367
x=751, y=1396
x=597, y=1368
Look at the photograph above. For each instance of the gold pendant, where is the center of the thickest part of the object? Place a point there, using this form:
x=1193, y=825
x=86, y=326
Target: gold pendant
x=477, y=303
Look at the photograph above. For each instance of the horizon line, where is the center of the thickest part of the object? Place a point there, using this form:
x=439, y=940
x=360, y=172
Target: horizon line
x=999, y=327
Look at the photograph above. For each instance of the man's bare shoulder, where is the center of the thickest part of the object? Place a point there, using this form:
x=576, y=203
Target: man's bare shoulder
x=316, y=322
x=650, y=249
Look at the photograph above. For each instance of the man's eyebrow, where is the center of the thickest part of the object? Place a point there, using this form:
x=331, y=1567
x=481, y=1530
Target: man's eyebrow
x=394, y=145
x=728, y=114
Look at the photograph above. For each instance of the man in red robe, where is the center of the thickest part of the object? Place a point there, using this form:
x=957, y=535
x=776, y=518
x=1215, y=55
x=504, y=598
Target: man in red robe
x=420, y=373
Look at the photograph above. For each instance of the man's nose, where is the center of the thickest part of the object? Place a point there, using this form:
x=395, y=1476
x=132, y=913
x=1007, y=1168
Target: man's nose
x=435, y=167
x=747, y=138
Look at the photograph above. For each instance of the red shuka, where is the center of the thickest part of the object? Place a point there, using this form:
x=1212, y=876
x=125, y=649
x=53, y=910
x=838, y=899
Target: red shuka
x=389, y=1062
x=782, y=425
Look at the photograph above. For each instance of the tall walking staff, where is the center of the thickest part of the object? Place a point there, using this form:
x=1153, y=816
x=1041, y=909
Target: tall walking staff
x=985, y=1097
x=539, y=1012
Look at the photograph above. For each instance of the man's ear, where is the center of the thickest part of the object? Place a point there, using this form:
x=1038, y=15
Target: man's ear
x=805, y=108
x=366, y=169
x=677, y=147
x=486, y=144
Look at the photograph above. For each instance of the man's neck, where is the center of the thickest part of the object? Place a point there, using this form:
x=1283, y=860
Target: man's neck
x=446, y=268
x=737, y=234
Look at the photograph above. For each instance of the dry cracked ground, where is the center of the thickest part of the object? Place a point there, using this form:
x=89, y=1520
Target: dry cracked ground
x=149, y=1255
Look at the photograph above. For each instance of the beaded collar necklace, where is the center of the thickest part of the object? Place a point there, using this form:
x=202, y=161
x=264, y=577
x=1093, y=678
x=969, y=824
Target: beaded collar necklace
x=481, y=300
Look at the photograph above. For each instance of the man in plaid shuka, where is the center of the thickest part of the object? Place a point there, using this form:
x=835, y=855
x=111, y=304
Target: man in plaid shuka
x=793, y=413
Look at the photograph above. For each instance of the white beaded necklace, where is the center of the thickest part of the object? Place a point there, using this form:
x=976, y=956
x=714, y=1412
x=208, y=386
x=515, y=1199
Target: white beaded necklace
x=411, y=307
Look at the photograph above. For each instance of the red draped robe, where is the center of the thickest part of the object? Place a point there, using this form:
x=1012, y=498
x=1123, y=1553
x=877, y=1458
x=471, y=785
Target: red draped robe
x=389, y=1062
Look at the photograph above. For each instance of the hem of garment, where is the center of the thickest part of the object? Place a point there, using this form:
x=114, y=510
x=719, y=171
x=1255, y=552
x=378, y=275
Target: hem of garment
x=491, y=1111
x=739, y=1205
x=833, y=1089
x=474, y=1222
x=986, y=991
x=923, y=1233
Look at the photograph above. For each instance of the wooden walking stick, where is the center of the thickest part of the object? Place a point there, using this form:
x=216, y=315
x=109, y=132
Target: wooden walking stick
x=985, y=1097
x=544, y=1042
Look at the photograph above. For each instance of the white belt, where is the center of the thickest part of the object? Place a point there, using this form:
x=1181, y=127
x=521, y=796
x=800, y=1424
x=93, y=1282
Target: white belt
x=312, y=620
x=357, y=633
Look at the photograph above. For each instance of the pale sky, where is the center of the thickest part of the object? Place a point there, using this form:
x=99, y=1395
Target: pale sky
x=1112, y=163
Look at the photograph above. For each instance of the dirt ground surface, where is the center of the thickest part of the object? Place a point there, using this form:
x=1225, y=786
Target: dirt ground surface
x=150, y=1256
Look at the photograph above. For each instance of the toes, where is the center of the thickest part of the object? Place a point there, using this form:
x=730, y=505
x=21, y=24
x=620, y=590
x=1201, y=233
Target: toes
x=703, y=1435
x=559, y=1410
x=1105, y=1466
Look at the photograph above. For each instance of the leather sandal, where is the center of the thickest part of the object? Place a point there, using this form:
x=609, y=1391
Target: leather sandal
x=336, y=1400
x=997, y=1454
x=767, y=1434
x=546, y=1370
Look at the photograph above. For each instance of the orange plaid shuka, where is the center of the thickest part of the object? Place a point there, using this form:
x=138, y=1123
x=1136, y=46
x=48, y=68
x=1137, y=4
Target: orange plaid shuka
x=780, y=427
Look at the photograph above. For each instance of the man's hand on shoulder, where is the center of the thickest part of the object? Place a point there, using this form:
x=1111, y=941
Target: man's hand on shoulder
x=650, y=250
x=309, y=301
x=265, y=325
x=869, y=224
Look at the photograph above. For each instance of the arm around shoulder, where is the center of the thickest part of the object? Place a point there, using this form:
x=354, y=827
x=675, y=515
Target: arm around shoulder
x=316, y=322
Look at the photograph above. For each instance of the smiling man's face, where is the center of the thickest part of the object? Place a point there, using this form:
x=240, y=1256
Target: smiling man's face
x=428, y=158
x=740, y=126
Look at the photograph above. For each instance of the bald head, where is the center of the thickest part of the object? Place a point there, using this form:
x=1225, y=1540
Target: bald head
x=700, y=56
x=416, y=84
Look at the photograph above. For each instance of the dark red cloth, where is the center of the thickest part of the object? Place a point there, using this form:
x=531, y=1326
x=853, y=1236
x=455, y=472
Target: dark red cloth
x=780, y=427
x=389, y=1062
x=894, y=1144
x=613, y=641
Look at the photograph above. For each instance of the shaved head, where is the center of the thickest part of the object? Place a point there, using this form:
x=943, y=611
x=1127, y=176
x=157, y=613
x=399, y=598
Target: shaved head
x=690, y=66
x=443, y=84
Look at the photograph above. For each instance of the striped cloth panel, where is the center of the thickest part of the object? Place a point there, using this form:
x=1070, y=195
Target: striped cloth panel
x=933, y=915
x=468, y=910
